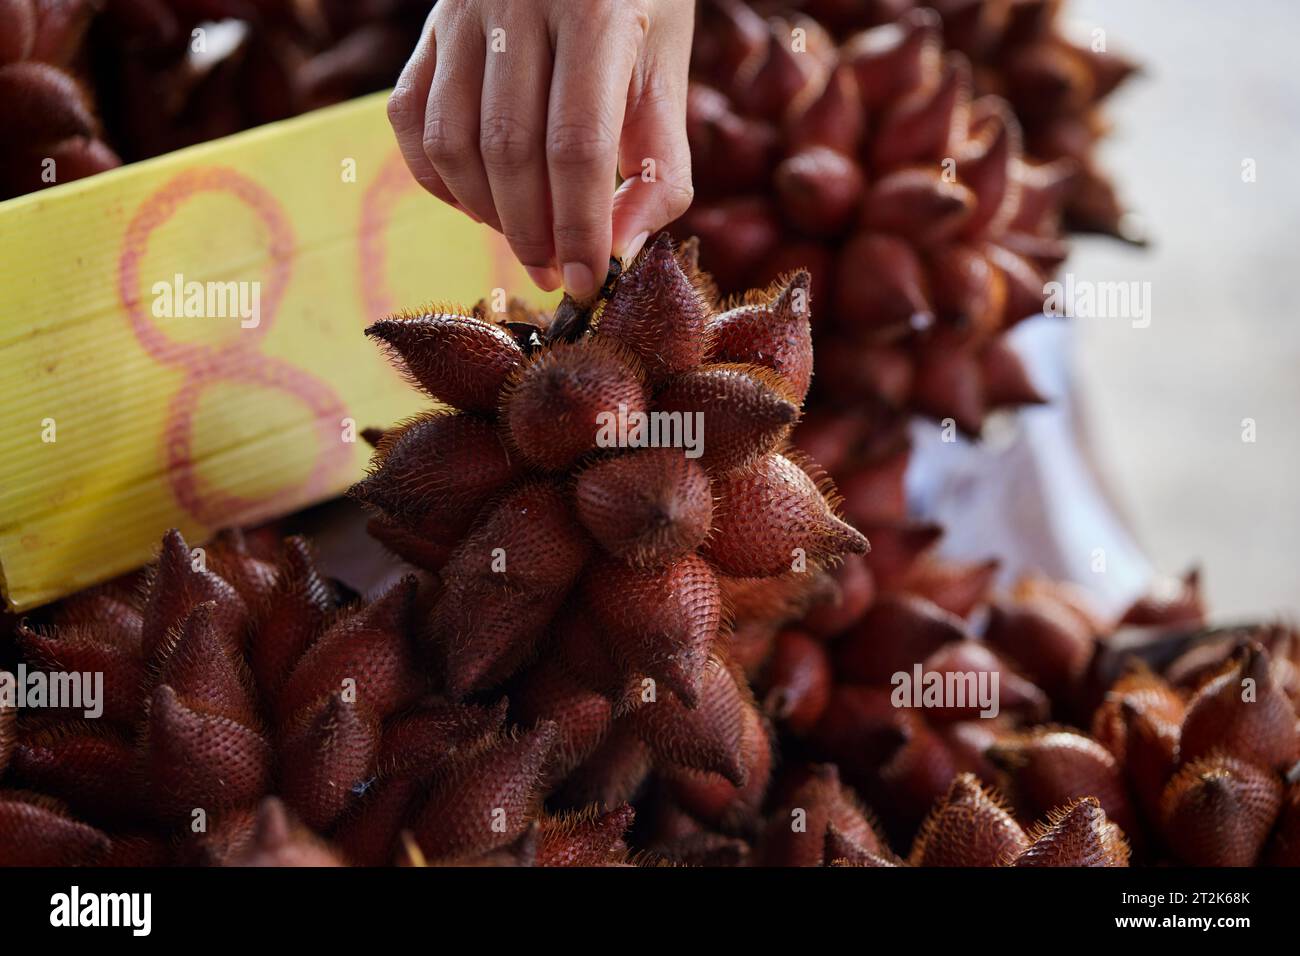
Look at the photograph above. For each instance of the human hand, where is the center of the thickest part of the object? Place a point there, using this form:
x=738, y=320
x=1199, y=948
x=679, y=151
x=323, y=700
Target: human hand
x=519, y=113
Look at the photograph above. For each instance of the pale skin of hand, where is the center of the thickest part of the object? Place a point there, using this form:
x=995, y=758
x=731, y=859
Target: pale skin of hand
x=520, y=112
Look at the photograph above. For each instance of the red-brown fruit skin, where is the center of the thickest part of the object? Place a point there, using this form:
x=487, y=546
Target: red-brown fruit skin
x=1284, y=847
x=734, y=235
x=194, y=761
x=657, y=313
x=197, y=664
x=916, y=775
x=1015, y=694
x=861, y=728
x=820, y=190
x=291, y=618
x=796, y=832
x=969, y=827
x=368, y=835
x=527, y=541
x=8, y=726
x=855, y=590
x=957, y=588
x=741, y=408
x=1261, y=730
x=17, y=30
x=1077, y=835
x=798, y=681
x=438, y=470
x=1048, y=768
x=612, y=775
x=34, y=831
x=458, y=359
x=93, y=764
x=770, y=516
x=561, y=405
x=592, y=839
x=716, y=801
x=276, y=842
x=1050, y=645
x=774, y=334
x=550, y=691
x=370, y=648
x=500, y=784
x=705, y=736
x=42, y=104
x=325, y=759
x=414, y=741
x=659, y=623
x=648, y=507
x=78, y=649
x=178, y=582
x=1218, y=811
x=1184, y=607
x=898, y=631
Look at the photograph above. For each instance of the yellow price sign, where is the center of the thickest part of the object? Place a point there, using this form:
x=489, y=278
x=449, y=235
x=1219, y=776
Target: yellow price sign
x=181, y=339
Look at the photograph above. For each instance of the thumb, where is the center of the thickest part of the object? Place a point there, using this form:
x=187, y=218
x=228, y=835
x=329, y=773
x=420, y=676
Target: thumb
x=655, y=161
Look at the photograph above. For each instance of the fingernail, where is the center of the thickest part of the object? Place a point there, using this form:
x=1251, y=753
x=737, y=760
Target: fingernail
x=546, y=278
x=578, y=280
x=634, y=247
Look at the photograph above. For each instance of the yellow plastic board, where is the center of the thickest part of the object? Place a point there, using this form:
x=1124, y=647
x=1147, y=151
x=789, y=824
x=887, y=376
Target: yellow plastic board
x=181, y=339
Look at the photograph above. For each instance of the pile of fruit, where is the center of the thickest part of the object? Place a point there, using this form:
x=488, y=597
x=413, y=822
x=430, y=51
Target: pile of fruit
x=616, y=645
x=614, y=651
x=88, y=84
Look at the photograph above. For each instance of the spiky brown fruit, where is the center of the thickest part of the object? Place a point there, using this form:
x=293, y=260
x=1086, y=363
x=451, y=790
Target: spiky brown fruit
x=1242, y=712
x=240, y=695
x=645, y=475
x=48, y=123
x=913, y=197
x=605, y=510
x=969, y=828
x=1049, y=767
x=796, y=833
x=1076, y=835
x=1218, y=811
x=1057, y=86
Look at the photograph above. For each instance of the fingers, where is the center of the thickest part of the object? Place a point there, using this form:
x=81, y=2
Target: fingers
x=451, y=120
x=655, y=158
x=406, y=109
x=593, y=71
x=529, y=141
x=512, y=143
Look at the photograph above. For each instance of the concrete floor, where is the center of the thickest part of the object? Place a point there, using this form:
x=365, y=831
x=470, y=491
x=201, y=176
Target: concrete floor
x=1166, y=403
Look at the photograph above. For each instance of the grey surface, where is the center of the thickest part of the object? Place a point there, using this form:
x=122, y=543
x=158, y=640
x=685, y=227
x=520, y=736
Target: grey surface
x=1166, y=403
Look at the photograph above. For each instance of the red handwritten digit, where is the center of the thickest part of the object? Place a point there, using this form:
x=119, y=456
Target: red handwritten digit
x=236, y=361
x=381, y=197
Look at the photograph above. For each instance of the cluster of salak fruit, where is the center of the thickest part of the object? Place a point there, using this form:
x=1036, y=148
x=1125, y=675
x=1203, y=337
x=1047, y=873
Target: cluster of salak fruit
x=567, y=680
x=46, y=112
x=927, y=230
x=236, y=684
x=591, y=583
x=1020, y=50
x=77, y=73
x=1151, y=735
x=929, y=209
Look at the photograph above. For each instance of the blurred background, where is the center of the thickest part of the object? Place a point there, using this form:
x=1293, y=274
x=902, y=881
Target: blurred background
x=1165, y=404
